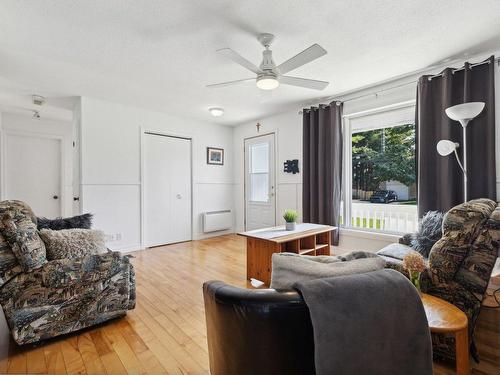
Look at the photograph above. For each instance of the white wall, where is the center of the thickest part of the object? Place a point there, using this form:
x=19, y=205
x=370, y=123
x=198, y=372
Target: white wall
x=288, y=128
x=25, y=123
x=110, y=177
x=289, y=132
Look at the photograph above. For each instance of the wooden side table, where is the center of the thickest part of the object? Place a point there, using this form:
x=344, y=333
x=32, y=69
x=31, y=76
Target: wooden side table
x=443, y=317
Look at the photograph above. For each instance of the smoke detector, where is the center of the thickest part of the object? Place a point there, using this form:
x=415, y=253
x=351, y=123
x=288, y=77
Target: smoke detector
x=38, y=100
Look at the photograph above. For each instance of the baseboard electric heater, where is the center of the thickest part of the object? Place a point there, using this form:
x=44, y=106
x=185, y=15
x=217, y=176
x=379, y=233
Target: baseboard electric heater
x=214, y=221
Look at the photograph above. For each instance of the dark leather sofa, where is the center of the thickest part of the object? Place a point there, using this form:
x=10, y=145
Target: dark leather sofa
x=257, y=331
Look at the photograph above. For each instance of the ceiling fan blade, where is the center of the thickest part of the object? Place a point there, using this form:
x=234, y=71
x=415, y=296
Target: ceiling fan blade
x=303, y=82
x=216, y=85
x=238, y=59
x=306, y=56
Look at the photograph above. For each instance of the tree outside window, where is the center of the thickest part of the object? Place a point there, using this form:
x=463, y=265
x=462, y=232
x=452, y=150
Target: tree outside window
x=381, y=156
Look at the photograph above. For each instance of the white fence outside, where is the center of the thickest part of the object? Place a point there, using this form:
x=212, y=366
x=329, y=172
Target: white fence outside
x=399, y=218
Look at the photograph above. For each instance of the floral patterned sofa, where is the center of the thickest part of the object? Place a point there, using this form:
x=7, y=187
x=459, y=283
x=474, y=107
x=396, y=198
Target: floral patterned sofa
x=459, y=264
x=63, y=295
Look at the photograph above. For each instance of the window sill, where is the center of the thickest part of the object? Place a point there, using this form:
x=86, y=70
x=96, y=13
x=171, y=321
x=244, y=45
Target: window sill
x=359, y=233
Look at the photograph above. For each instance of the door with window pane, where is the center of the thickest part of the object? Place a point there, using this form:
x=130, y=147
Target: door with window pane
x=260, y=207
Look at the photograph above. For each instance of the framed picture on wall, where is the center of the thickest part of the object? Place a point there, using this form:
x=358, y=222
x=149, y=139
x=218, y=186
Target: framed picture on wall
x=215, y=156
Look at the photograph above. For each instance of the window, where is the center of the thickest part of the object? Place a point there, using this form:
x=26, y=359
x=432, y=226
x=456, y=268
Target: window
x=259, y=172
x=380, y=171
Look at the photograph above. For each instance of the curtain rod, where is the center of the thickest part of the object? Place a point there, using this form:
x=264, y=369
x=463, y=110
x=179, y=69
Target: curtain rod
x=463, y=67
x=369, y=94
x=408, y=83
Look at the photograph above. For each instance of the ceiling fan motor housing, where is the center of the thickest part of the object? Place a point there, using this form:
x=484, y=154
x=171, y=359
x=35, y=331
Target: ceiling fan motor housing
x=267, y=61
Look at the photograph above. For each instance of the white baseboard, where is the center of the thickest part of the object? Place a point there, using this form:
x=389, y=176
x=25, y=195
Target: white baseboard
x=126, y=248
x=202, y=236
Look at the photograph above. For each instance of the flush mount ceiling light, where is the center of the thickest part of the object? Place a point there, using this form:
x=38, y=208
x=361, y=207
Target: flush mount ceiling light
x=216, y=111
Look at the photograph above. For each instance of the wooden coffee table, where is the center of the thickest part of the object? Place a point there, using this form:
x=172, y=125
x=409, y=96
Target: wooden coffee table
x=307, y=239
x=443, y=317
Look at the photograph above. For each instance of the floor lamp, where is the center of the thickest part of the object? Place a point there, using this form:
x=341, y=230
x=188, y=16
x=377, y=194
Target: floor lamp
x=463, y=113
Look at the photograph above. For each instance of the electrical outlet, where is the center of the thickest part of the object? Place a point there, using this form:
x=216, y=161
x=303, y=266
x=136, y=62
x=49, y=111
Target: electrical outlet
x=113, y=237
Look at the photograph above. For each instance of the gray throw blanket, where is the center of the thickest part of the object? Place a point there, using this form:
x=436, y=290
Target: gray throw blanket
x=372, y=323
x=290, y=268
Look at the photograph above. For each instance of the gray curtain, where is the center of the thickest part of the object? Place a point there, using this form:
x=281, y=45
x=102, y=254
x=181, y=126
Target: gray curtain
x=322, y=166
x=440, y=180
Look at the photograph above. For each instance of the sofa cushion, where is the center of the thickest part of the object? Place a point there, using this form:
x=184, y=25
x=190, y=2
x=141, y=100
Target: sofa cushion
x=429, y=232
x=461, y=226
x=86, y=270
x=289, y=268
x=73, y=243
x=76, y=222
x=18, y=227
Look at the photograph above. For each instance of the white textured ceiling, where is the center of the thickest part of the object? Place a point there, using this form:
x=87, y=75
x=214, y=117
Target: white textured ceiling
x=160, y=54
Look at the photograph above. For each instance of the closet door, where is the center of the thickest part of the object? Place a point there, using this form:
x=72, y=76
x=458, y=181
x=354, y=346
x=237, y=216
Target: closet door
x=167, y=189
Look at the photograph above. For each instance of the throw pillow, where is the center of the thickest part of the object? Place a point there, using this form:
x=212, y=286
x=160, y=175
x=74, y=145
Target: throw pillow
x=73, y=243
x=76, y=222
x=429, y=232
x=20, y=232
x=289, y=268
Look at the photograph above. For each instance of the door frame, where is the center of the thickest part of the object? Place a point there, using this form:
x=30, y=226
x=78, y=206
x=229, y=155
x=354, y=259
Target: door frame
x=275, y=133
x=160, y=133
x=62, y=174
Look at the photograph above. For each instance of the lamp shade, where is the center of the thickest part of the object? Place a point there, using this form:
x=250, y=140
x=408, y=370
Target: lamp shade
x=445, y=147
x=465, y=111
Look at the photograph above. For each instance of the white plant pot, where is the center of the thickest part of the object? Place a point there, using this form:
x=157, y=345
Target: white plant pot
x=290, y=226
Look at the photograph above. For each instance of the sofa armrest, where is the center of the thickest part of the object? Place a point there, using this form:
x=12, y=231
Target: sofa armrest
x=89, y=269
x=406, y=239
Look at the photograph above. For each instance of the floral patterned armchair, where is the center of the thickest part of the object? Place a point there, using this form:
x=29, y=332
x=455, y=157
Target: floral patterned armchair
x=63, y=295
x=460, y=263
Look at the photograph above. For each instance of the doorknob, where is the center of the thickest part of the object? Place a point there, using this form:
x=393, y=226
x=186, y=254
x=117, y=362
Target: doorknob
x=178, y=196
x=55, y=197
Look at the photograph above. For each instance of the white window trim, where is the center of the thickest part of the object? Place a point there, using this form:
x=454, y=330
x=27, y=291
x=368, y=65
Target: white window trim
x=347, y=170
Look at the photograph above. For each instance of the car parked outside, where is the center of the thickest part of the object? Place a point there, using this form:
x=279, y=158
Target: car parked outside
x=384, y=196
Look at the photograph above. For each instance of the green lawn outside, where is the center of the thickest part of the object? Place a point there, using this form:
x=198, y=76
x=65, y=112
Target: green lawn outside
x=360, y=222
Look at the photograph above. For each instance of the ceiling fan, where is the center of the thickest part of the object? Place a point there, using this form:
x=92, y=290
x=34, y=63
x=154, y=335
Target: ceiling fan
x=269, y=76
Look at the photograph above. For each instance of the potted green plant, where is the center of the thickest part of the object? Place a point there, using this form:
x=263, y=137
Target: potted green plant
x=290, y=217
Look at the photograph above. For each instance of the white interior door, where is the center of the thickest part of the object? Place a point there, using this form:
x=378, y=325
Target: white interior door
x=260, y=200
x=32, y=172
x=167, y=189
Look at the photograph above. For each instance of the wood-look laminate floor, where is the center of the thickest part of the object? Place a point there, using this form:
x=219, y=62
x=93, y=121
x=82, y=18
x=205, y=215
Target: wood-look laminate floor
x=166, y=332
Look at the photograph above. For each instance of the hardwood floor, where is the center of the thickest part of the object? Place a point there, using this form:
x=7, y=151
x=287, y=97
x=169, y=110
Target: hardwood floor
x=166, y=332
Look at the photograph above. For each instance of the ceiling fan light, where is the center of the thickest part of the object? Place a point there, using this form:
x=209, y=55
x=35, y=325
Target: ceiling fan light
x=267, y=82
x=216, y=111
